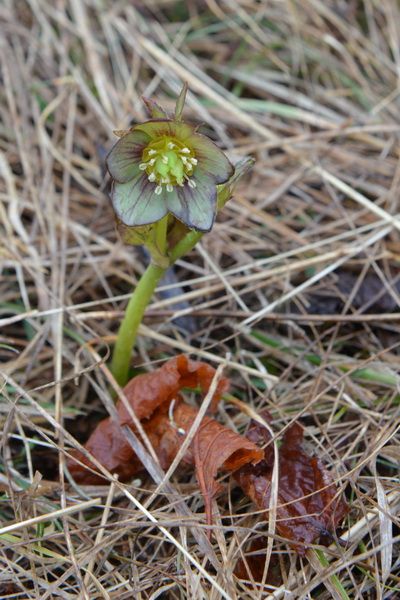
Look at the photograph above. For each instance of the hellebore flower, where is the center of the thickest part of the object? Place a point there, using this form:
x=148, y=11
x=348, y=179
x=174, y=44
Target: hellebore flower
x=164, y=166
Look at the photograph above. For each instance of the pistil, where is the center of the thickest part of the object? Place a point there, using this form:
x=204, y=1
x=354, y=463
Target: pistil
x=168, y=163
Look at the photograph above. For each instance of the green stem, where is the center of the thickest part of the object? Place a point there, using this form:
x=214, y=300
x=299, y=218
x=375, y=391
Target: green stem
x=161, y=235
x=132, y=319
x=141, y=297
x=185, y=245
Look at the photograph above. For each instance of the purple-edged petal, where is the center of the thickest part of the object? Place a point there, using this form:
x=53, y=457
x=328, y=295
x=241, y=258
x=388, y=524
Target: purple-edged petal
x=135, y=202
x=157, y=128
x=124, y=159
x=195, y=207
x=211, y=159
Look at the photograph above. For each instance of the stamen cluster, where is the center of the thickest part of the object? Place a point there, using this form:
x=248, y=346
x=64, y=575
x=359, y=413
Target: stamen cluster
x=168, y=163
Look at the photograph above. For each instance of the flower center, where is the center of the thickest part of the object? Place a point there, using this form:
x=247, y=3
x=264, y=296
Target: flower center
x=168, y=162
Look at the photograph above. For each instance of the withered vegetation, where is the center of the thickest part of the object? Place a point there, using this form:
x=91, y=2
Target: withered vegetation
x=295, y=292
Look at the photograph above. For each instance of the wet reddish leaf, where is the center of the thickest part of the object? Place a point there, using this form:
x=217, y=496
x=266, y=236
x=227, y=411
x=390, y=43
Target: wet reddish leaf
x=9, y=589
x=213, y=447
x=145, y=393
x=214, y=444
x=309, y=505
x=109, y=446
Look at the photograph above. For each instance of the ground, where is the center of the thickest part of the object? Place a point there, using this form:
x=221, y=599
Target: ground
x=296, y=287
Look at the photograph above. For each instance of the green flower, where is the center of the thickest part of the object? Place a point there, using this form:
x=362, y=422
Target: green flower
x=164, y=166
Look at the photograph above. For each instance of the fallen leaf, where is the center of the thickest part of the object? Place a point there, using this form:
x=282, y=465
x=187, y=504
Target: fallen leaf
x=212, y=448
x=309, y=505
x=109, y=446
x=145, y=394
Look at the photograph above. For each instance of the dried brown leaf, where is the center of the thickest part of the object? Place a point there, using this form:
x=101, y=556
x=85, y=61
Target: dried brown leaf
x=145, y=393
x=309, y=505
x=213, y=447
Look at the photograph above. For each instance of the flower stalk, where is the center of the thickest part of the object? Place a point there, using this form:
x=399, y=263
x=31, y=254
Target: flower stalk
x=130, y=324
x=169, y=182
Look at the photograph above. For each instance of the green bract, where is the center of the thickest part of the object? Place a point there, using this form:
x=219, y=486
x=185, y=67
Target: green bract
x=164, y=166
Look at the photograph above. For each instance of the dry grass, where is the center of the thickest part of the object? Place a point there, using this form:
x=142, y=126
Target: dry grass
x=311, y=89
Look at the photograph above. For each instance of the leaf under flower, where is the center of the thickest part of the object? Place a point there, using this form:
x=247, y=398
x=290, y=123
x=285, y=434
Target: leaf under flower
x=135, y=236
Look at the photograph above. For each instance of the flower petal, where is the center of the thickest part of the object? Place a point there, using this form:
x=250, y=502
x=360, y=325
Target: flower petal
x=194, y=207
x=157, y=128
x=135, y=202
x=211, y=159
x=124, y=158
